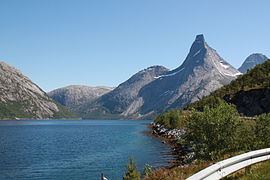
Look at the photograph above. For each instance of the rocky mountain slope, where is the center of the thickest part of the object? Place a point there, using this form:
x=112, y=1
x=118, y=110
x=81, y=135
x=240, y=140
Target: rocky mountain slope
x=202, y=72
x=249, y=92
x=156, y=89
x=251, y=61
x=124, y=99
x=20, y=98
x=75, y=96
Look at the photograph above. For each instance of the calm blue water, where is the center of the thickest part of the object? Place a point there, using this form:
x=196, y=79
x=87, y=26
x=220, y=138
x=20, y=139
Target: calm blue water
x=74, y=149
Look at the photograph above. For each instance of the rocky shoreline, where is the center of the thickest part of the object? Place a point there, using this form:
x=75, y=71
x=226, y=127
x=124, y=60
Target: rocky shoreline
x=181, y=155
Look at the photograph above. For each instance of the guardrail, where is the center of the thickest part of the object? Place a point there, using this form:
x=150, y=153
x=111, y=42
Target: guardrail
x=223, y=168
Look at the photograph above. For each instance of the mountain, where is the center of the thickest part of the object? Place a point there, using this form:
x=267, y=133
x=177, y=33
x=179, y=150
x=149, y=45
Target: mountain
x=202, y=72
x=251, y=61
x=123, y=100
x=20, y=98
x=156, y=89
x=75, y=96
x=249, y=93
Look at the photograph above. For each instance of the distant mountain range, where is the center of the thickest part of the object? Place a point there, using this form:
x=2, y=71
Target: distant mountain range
x=20, y=98
x=146, y=94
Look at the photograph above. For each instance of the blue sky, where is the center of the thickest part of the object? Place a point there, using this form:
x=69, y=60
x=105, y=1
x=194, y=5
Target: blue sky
x=103, y=42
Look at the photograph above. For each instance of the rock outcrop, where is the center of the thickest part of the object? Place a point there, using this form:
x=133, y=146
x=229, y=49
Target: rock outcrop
x=252, y=102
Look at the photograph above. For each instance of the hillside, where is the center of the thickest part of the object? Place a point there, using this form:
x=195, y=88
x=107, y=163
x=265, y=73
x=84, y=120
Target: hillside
x=75, y=96
x=20, y=98
x=124, y=100
x=249, y=92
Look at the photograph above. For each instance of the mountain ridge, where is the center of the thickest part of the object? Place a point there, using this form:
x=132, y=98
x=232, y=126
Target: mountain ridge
x=20, y=98
x=125, y=95
x=202, y=72
x=74, y=96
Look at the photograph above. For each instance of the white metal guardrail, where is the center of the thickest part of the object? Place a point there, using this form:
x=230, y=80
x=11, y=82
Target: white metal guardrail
x=228, y=166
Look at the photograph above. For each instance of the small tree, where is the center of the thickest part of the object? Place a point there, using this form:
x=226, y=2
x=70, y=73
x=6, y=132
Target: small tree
x=132, y=173
x=214, y=131
x=174, y=119
x=262, y=131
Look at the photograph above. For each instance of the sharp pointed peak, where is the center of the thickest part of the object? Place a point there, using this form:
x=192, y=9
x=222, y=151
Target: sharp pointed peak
x=200, y=38
x=199, y=42
x=198, y=46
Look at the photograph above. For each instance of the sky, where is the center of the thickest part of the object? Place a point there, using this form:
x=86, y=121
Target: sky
x=57, y=43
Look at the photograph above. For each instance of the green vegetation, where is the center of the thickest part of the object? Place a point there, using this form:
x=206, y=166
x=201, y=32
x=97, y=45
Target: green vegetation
x=179, y=173
x=132, y=173
x=256, y=78
x=173, y=119
x=215, y=131
x=148, y=169
x=64, y=113
x=219, y=130
x=218, y=133
x=101, y=113
x=259, y=171
x=262, y=131
x=12, y=110
x=15, y=110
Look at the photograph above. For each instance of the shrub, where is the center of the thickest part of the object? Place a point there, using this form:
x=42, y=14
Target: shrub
x=172, y=119
x=215, y=131
x=148, y=169
x=132, y=173
x=262, y=131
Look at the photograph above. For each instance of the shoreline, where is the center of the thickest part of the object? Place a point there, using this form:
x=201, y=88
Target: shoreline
x=176, y=153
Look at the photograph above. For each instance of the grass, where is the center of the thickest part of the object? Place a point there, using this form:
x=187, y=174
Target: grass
x=260, y=171
x=179, y=173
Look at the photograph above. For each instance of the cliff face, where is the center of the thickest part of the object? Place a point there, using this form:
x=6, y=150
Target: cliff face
x=21, y=98
x=252, y=102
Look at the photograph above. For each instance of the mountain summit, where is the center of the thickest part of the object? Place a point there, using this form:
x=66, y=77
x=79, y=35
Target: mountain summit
x=251, y=61
x=203, y=58
x=202, y=72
